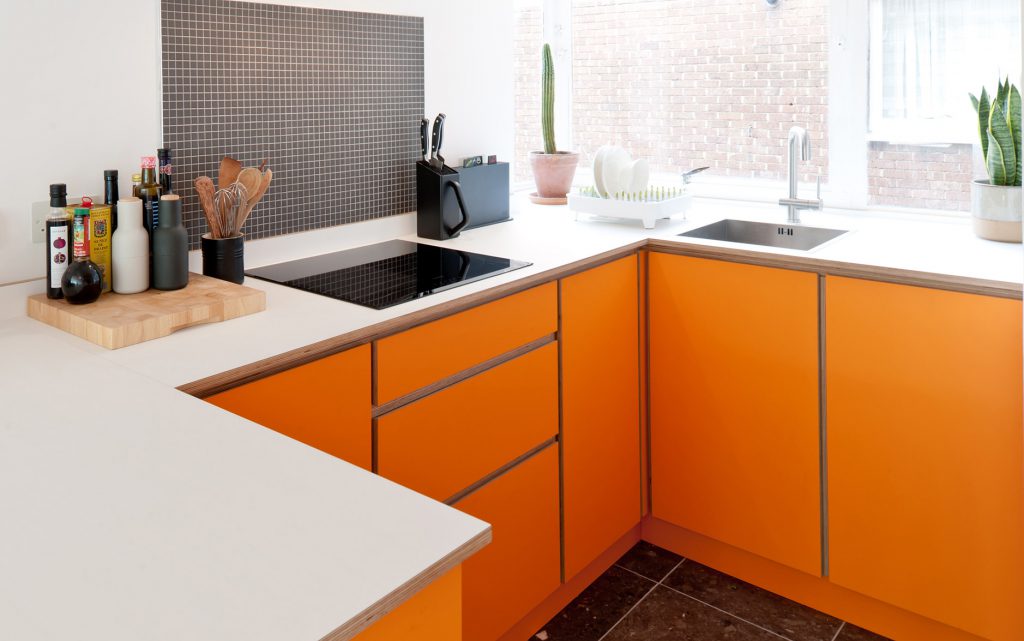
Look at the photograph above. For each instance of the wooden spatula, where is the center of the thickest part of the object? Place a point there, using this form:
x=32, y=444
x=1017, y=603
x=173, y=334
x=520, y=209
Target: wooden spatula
x=229, y=170
x=253, y=199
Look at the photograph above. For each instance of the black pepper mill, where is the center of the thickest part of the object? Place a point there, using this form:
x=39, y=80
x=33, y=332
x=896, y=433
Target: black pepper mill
x=170, y=246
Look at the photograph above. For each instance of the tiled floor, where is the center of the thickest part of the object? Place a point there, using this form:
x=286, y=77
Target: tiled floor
x=651, y=594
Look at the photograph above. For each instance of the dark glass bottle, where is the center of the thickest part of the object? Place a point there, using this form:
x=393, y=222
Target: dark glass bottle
x=137, y=185
x=58, y=240
x=82, y=282
x=149, y=192
x=110, y=195
x=170, y=246
x=166, y=169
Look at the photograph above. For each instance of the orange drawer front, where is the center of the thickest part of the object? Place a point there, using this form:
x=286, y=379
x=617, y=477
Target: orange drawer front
x=520, y=568
x=445, y=442
x=428, y=353
x=325, y=404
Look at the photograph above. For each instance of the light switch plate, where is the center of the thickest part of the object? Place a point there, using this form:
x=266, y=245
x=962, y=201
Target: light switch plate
x=40, y=211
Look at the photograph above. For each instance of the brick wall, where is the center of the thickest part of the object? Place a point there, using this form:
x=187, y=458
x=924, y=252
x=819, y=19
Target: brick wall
x=701, y=82
x=528, y=41
x=913, y=176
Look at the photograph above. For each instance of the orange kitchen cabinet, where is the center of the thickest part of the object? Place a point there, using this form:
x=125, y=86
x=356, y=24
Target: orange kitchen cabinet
x=432, y=614
x=520, y=567
x=600, y=409
x=417, y=357
x=445, y=442
x=734, y=405
x=925, y=472
x=325, y=404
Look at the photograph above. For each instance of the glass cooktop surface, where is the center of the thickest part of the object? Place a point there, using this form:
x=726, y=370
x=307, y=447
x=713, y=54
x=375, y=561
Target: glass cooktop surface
x=386, y=274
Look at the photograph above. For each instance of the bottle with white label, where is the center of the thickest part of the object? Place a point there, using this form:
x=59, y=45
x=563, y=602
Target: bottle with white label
x=130, y=249
x=58, y=240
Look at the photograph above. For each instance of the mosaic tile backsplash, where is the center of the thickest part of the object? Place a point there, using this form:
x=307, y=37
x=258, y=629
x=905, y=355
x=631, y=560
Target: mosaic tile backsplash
x=332, y=99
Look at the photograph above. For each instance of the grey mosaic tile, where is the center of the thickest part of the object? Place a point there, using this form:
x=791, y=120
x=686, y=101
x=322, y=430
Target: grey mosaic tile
x=332, y=98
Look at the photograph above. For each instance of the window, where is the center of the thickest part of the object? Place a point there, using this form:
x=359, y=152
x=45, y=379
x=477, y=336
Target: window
x=926, y=55
x=880, y=85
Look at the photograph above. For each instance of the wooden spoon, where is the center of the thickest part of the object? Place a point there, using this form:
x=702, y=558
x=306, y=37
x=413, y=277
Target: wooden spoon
x=253, y=199
x=229, y=168
x=205, y=190
x=250, y=178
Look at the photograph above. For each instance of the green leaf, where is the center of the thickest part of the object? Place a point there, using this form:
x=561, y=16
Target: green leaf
x=1013, y=123
x=1001, y=94
x=984, y=108
x=1002, y=156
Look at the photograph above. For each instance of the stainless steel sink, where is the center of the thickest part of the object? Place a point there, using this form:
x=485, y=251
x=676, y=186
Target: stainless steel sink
x=771, y=235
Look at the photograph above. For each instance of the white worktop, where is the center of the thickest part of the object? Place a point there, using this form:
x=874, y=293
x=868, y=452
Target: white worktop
x=162, y=517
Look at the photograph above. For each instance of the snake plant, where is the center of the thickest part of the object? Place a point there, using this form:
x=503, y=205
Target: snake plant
x=547, y=102
x=999, y=128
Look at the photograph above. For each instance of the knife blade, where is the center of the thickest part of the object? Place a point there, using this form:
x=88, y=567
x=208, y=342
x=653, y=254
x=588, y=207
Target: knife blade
x=424, y=141
x=436, y=158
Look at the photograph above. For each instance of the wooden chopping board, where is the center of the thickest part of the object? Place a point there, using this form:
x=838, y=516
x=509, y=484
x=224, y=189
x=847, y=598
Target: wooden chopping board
x=118, y=320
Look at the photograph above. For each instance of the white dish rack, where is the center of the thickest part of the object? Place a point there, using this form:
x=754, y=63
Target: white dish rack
x=647, y=207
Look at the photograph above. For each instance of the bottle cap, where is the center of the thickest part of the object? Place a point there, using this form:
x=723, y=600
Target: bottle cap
x=110, y=173
x=86, y=202
x=149, y=162
x=82, y=211
x=169, y=197
x=58, y=189
x=164, y=152
x=136, y=178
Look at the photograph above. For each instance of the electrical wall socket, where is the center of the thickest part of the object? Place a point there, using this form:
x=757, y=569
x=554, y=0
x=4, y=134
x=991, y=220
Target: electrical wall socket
x=40, y=211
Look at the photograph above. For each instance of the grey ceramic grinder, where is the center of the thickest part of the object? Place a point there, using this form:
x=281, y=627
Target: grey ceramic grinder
x=170, y=246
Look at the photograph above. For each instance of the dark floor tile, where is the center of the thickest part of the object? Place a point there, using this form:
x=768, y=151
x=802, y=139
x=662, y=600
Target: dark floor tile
x=597, y=608
x=768, y=610
x=649, y=560
x=669, y=616
x=851, y=632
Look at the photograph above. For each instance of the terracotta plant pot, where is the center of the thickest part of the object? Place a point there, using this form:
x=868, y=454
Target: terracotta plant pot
x=996, y=211
x=553, y=173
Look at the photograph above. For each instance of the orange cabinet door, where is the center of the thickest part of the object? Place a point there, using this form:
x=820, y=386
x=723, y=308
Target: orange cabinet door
x=431, y=352
x=734, y=405
x=520, y=567
x=325, y=404
x=926, y=505
x=445, y=442
x=600, y=409
x=432, y=614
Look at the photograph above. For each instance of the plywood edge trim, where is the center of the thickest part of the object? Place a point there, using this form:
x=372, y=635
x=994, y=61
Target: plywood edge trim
x=984, y=287
x=409, y=589
x=224, y=381
x=458, y=377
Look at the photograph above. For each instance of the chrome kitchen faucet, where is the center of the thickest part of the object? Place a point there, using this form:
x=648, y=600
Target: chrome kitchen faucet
x=799, y=143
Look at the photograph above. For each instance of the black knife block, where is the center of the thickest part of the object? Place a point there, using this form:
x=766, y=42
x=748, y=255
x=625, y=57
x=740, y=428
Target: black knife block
x=484, y=191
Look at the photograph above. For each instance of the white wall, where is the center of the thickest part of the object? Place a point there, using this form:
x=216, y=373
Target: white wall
x=55, y=52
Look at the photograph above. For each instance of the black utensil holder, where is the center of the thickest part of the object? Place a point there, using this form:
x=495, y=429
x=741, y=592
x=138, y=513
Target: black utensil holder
x=223, y=258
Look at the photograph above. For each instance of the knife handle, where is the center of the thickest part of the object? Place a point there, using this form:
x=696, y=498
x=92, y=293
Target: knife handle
x=424, y=142
x=438, y=133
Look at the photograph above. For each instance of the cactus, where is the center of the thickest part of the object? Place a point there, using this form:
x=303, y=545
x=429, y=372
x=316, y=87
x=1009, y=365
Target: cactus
x=547, y=107
x=999, y=128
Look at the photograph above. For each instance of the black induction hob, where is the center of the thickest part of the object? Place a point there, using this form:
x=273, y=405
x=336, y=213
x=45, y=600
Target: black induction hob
x=386, y=274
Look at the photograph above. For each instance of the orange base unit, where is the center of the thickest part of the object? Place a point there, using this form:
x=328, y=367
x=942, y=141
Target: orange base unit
x=520, y=568
x=325, y=404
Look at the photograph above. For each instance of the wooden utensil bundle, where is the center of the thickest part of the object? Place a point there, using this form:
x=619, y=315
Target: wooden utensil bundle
x=238, y=190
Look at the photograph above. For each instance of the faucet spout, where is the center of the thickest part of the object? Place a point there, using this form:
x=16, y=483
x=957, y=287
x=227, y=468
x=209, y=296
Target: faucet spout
x=799, y=149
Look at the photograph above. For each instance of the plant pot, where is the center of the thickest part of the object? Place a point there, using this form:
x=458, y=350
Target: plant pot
x=996, y=211
x=223, y=257
x=553, y=173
